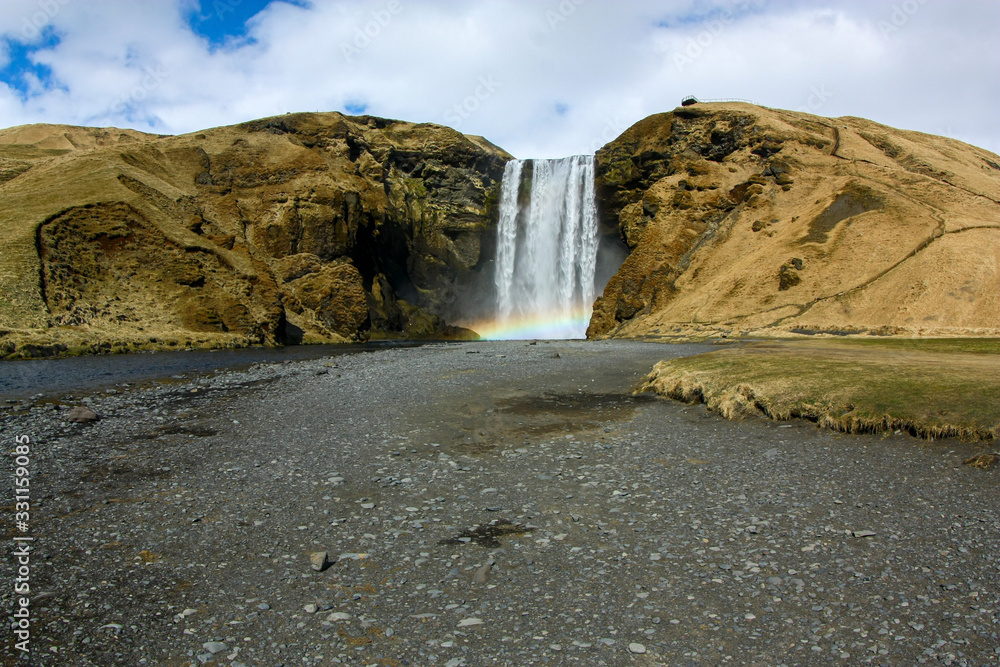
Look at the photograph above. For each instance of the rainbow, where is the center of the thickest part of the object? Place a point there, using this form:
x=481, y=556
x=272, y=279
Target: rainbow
x=534, y=327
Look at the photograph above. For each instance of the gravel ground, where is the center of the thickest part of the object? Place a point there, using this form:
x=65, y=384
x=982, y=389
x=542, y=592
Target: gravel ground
x=489, y=504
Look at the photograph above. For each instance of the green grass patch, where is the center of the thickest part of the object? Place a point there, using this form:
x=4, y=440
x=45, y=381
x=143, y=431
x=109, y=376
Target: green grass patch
x=29, y=152
x=947, y=345
x=930, y=388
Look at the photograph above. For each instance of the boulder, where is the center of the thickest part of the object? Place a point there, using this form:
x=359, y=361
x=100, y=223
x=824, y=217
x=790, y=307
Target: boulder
x=82, y=415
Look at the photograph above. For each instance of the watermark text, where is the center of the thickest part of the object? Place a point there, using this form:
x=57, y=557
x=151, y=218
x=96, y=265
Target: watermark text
x=33, y=25
x=366, y=34
x=22, y=544
x=487, y=85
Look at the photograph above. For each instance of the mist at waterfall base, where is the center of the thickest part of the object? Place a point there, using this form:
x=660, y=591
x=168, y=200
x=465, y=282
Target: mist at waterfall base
x=547, y=272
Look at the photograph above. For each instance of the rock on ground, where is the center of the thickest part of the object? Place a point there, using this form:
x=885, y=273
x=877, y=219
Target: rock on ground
x=184, y=521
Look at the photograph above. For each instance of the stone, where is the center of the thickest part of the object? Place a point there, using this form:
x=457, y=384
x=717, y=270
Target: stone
x=351, y=556
x=787, y=277
x=467, y=622
x=339, y=616
x=863, y=533
x=482, y=575
x=214, y=647
x=82, y=415
x=320, y=560
x=311, y=608
x=635, y=647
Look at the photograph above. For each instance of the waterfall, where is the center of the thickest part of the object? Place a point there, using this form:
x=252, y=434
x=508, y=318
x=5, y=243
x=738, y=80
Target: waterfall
x=546, y=249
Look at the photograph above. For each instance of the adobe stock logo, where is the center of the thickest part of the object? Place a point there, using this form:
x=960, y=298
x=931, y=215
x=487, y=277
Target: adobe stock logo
x=817, y=99
x=152, y=78
x=706, y=38
x=32, y=26
x=900, y=16
x=613, y=127
x=562, y=13
x=365, y=35
x=484, y=91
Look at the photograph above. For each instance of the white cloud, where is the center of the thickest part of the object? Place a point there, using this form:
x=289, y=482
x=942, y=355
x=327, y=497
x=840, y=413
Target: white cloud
x=540, y=78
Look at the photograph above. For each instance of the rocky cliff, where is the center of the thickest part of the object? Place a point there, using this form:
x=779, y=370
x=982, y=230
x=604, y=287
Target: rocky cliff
x=742, y=219
x=312, y=227
x=328, y=228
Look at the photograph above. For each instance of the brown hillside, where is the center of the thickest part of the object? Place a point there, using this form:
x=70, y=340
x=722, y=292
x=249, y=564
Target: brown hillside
x=315, y=227
x=758, y=221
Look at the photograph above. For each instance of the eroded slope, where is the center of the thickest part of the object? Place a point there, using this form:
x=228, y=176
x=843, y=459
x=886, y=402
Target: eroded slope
x=304, y=227
x=750, y=220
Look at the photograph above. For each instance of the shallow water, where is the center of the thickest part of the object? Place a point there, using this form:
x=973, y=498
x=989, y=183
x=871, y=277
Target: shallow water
x=21, y=379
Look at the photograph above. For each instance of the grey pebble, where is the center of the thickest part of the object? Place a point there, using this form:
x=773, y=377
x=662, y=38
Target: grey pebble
x=482, y=574
x=82, y=415
x=727, y=507
x=319, y=560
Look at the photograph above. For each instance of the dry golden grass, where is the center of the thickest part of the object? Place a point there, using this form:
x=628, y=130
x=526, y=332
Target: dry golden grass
x=981, y=461
x=114, y=240
x=809, y=224
x=931, y=389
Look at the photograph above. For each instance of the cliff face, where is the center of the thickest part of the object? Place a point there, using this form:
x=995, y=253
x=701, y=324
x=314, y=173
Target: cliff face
x=304, y=227
x=327, y=228
x=757, y=221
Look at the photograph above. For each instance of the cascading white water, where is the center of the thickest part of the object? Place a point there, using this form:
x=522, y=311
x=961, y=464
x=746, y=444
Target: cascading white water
x=546, y=249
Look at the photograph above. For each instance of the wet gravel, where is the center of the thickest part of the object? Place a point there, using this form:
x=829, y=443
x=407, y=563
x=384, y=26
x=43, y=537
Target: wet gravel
x=489, y=504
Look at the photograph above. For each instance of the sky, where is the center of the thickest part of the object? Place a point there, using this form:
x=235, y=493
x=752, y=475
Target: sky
x=540, y=78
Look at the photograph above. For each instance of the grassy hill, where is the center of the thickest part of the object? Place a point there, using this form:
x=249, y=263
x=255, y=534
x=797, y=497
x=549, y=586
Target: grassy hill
x=744, y=220
x=304, y=227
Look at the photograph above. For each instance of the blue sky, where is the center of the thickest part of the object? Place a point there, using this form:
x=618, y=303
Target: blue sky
x=224, y=22
x=19, y=71
x=542, y=78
